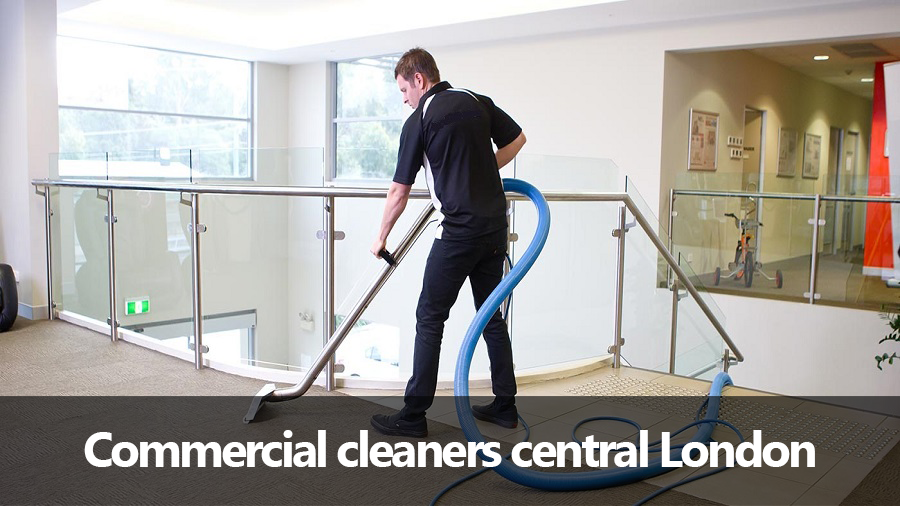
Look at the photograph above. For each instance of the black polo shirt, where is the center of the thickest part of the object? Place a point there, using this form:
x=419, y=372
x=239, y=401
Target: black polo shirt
x=450, y=134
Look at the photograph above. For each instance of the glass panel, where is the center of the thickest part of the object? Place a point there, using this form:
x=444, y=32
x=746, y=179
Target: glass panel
x=229, y=164
x=857, y=256
x=153, y=266
x=646, y=301
x=115, y=131
x=647, y=314
x=674, y=248
x=367, y=149
x=381, y=344
x=560, y=312
x=79, y=166
x=699, y=348
x=717, y=236
x=151, y=165
x=80, y=249
x=262, y=268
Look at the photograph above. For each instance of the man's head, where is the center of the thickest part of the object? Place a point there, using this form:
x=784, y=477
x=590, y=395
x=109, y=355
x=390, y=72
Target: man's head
x=416, y=72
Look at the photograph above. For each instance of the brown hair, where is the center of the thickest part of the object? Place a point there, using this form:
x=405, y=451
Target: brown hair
x=417, y=60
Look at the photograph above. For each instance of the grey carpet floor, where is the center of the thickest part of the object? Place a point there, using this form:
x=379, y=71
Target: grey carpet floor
x=882, y=485
x=59, y=359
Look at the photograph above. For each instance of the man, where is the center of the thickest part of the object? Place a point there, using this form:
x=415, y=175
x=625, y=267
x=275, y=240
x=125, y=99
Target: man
x=450, y=133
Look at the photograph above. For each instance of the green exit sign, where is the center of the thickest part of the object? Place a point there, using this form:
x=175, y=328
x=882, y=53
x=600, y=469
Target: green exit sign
x=137, y=306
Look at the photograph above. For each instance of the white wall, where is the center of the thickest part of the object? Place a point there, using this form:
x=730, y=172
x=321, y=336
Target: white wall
x=28, y=134
x=807, y=349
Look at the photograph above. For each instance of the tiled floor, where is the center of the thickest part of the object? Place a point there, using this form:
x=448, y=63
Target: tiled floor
x=553, y=416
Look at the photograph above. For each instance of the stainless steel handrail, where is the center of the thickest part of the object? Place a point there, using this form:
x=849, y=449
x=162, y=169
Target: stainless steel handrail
x=300, y=191
x=790, y=196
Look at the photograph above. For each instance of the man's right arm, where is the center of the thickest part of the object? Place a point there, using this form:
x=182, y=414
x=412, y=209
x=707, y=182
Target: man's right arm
x=397, y=197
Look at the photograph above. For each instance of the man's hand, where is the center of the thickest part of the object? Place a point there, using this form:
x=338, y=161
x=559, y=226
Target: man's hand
x=397, y=196
x=377, y=246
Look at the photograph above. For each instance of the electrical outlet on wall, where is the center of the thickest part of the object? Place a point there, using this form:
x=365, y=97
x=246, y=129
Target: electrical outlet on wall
x=736, y=141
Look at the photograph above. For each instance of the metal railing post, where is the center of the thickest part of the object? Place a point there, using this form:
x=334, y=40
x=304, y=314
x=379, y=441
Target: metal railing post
x=620, y=288
x=111, y=238
x=814, y=251
x=48, y=242
x=196, y=229
x=674, y=326
x=328, y=287
x=669, y=232
x=511, y=238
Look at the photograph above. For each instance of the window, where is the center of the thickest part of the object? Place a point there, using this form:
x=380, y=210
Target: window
x=369, y=114
x=155, y=112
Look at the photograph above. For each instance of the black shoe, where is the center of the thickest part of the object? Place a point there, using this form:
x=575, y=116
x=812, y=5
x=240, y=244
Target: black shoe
x=504, y=416
x=394, y=425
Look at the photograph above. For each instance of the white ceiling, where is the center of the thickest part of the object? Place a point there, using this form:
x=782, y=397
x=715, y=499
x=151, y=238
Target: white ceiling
x=297, y=31
x=840, y=70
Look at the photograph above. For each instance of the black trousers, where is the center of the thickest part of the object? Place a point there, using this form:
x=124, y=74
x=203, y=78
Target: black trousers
x=449, y=264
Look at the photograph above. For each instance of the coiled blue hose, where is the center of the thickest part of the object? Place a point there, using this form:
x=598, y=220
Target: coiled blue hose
x=586, y=480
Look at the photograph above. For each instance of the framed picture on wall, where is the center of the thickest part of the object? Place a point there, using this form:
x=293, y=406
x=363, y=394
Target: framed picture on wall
x=788, y=141
x=812, y=154
x=704, y=135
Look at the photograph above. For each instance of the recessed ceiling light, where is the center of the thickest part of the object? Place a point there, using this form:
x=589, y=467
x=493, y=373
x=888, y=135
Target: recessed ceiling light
x=821, y=57
x=867, y=79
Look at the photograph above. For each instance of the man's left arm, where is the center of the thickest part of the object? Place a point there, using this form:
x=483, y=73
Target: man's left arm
x=508, y=152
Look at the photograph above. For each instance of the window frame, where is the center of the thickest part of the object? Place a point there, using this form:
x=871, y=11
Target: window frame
x=332, y=171
x=250, y=119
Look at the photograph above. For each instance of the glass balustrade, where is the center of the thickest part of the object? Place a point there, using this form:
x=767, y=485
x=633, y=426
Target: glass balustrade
x=563, y=310
x=649, y=307
x=261, y=264
x=153, y=267
x=262, y=275
x=80, y=250
x=716, y=227
x=858, y=263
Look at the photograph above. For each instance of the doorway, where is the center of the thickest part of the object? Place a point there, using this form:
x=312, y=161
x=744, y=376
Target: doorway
x=840, y=234
x=831, y=232
x=851, y=231
x=753, y=166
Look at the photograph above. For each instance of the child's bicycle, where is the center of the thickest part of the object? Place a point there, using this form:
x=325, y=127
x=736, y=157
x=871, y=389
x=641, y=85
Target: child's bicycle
x=745, y=264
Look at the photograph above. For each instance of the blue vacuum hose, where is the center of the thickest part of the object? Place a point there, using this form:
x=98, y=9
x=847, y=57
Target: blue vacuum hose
x=586, y=480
